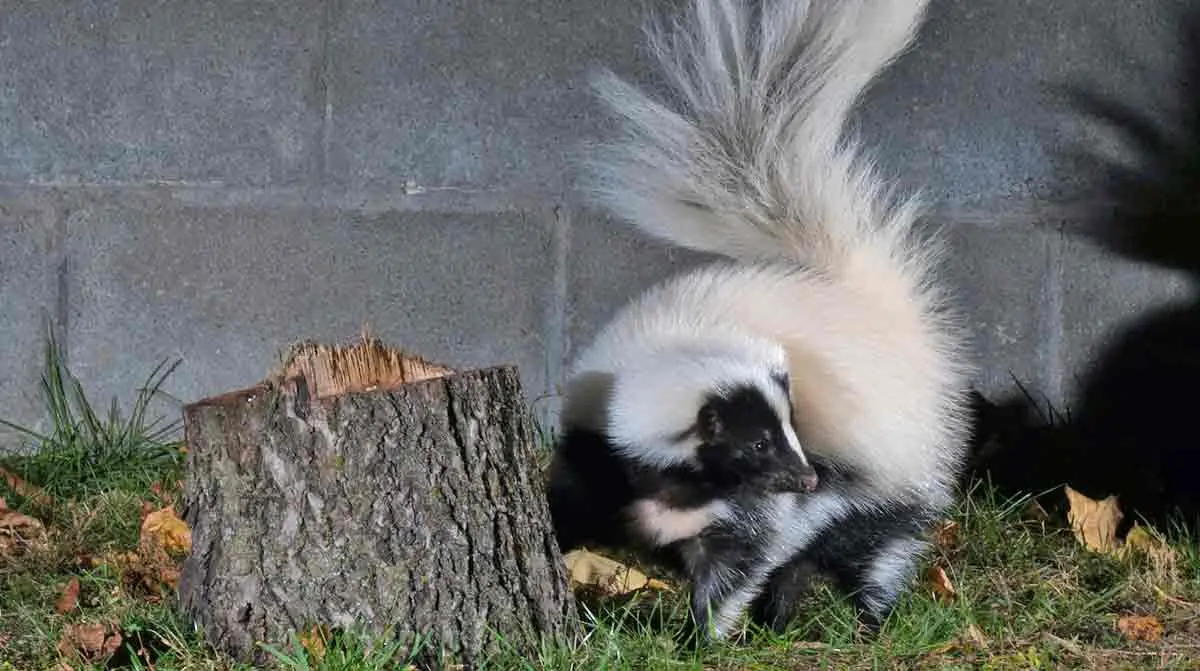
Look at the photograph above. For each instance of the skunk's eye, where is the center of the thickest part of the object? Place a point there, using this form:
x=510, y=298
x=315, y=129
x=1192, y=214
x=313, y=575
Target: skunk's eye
x=761, y=444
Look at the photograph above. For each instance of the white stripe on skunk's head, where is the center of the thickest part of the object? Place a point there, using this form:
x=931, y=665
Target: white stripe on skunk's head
x=721, y=407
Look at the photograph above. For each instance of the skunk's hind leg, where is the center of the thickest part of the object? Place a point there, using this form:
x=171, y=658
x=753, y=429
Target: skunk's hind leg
x=726, y=572
x=871, y=556
x=779, y=603
x=874, y=554
x=876, y=582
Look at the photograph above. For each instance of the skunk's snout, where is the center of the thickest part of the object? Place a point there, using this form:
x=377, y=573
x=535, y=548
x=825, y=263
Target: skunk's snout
x=808, y=480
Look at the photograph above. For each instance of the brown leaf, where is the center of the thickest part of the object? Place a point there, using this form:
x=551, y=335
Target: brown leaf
x=941, y=584
x=609, y=576
x=1034, y=512
x=143, y=574
x=313, y=640
x=1094, y=522
x=1140, y=627
x=69, y=599
x=947, y=537
x=169, y=576
x=92, y=642
x=18, y=532
x=170, y=532
x=810, y=645
x=34, y=494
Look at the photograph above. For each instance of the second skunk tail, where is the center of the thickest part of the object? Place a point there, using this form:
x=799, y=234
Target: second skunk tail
x=749, y=160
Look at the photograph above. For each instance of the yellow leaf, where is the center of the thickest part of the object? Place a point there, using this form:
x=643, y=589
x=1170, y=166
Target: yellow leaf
x=1094, y=522
x=313, y=640
x=1140, y=627
x=1143, y=541
x=611, y=577
x=975, y=635
x=942, y=586
x=1161, y=557
x=168, y=530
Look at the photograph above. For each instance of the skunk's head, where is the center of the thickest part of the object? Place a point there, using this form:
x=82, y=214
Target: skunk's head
x=745, y=441
x=723, y=409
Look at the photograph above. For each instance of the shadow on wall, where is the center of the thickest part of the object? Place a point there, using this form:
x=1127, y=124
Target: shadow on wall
x=1133, y=430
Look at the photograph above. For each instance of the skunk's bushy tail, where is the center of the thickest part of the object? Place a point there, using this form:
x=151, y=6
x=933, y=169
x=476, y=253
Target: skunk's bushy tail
x=749, y=159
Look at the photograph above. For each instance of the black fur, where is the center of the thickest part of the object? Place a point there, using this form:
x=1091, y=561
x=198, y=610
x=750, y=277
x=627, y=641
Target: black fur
x=742, y=448
x=743, y=459
x=744, y=445
x=845, y=552
x=721, y=559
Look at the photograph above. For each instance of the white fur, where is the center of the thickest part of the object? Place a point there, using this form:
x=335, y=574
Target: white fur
x=828, y=275
x=647, y=410
x=662, y=524
x=891, y=570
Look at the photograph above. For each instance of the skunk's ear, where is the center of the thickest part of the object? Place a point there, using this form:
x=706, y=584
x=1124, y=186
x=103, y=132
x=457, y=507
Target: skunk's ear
x=709, y=425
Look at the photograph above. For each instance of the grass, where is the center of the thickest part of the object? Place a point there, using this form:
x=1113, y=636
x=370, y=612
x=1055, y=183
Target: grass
x=86, y=452
x=1027, y=594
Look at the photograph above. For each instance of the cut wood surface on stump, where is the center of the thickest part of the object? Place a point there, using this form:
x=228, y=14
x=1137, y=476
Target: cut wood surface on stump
x=361, y=486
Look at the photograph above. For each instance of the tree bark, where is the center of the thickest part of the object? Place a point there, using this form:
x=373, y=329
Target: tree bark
x=416, y=506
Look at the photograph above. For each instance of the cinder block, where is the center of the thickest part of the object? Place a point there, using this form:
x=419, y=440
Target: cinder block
x=610, y=263
x=470, y=95
x=138, y=90
x=30, y=258
x=999, y=281
x=975, y=111
x=1103, y=296
x=227, y=289
x=997, y=278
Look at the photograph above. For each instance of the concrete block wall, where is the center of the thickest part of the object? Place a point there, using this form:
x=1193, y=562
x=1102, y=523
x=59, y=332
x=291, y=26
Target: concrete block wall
x=211, y=180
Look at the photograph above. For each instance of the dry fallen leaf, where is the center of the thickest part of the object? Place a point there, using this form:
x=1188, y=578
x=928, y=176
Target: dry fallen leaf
x=18, y=485
x=168, y=530
x=947, y=537
x=92, y=642
x=1034, y=512
x=975, y=635
x=1140, y=627
x=941, y=584
x=18, y=532
x=810, y=645
x=143, y=574
x=69, y=599
x=1141, y=541
x=943, y=649
x=609, y=576
x=313, y=640
x=1094, y=522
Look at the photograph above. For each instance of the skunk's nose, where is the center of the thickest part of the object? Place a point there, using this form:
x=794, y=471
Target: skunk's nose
x=809, y=480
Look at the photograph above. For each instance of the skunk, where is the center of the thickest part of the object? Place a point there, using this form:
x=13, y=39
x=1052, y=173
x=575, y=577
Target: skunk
x=798, y=406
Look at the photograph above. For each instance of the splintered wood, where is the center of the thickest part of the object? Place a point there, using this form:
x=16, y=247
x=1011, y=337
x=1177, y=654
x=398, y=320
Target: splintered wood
x=368, y=365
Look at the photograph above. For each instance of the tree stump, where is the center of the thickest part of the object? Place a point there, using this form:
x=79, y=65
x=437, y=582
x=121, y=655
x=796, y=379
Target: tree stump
x=361, y=486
